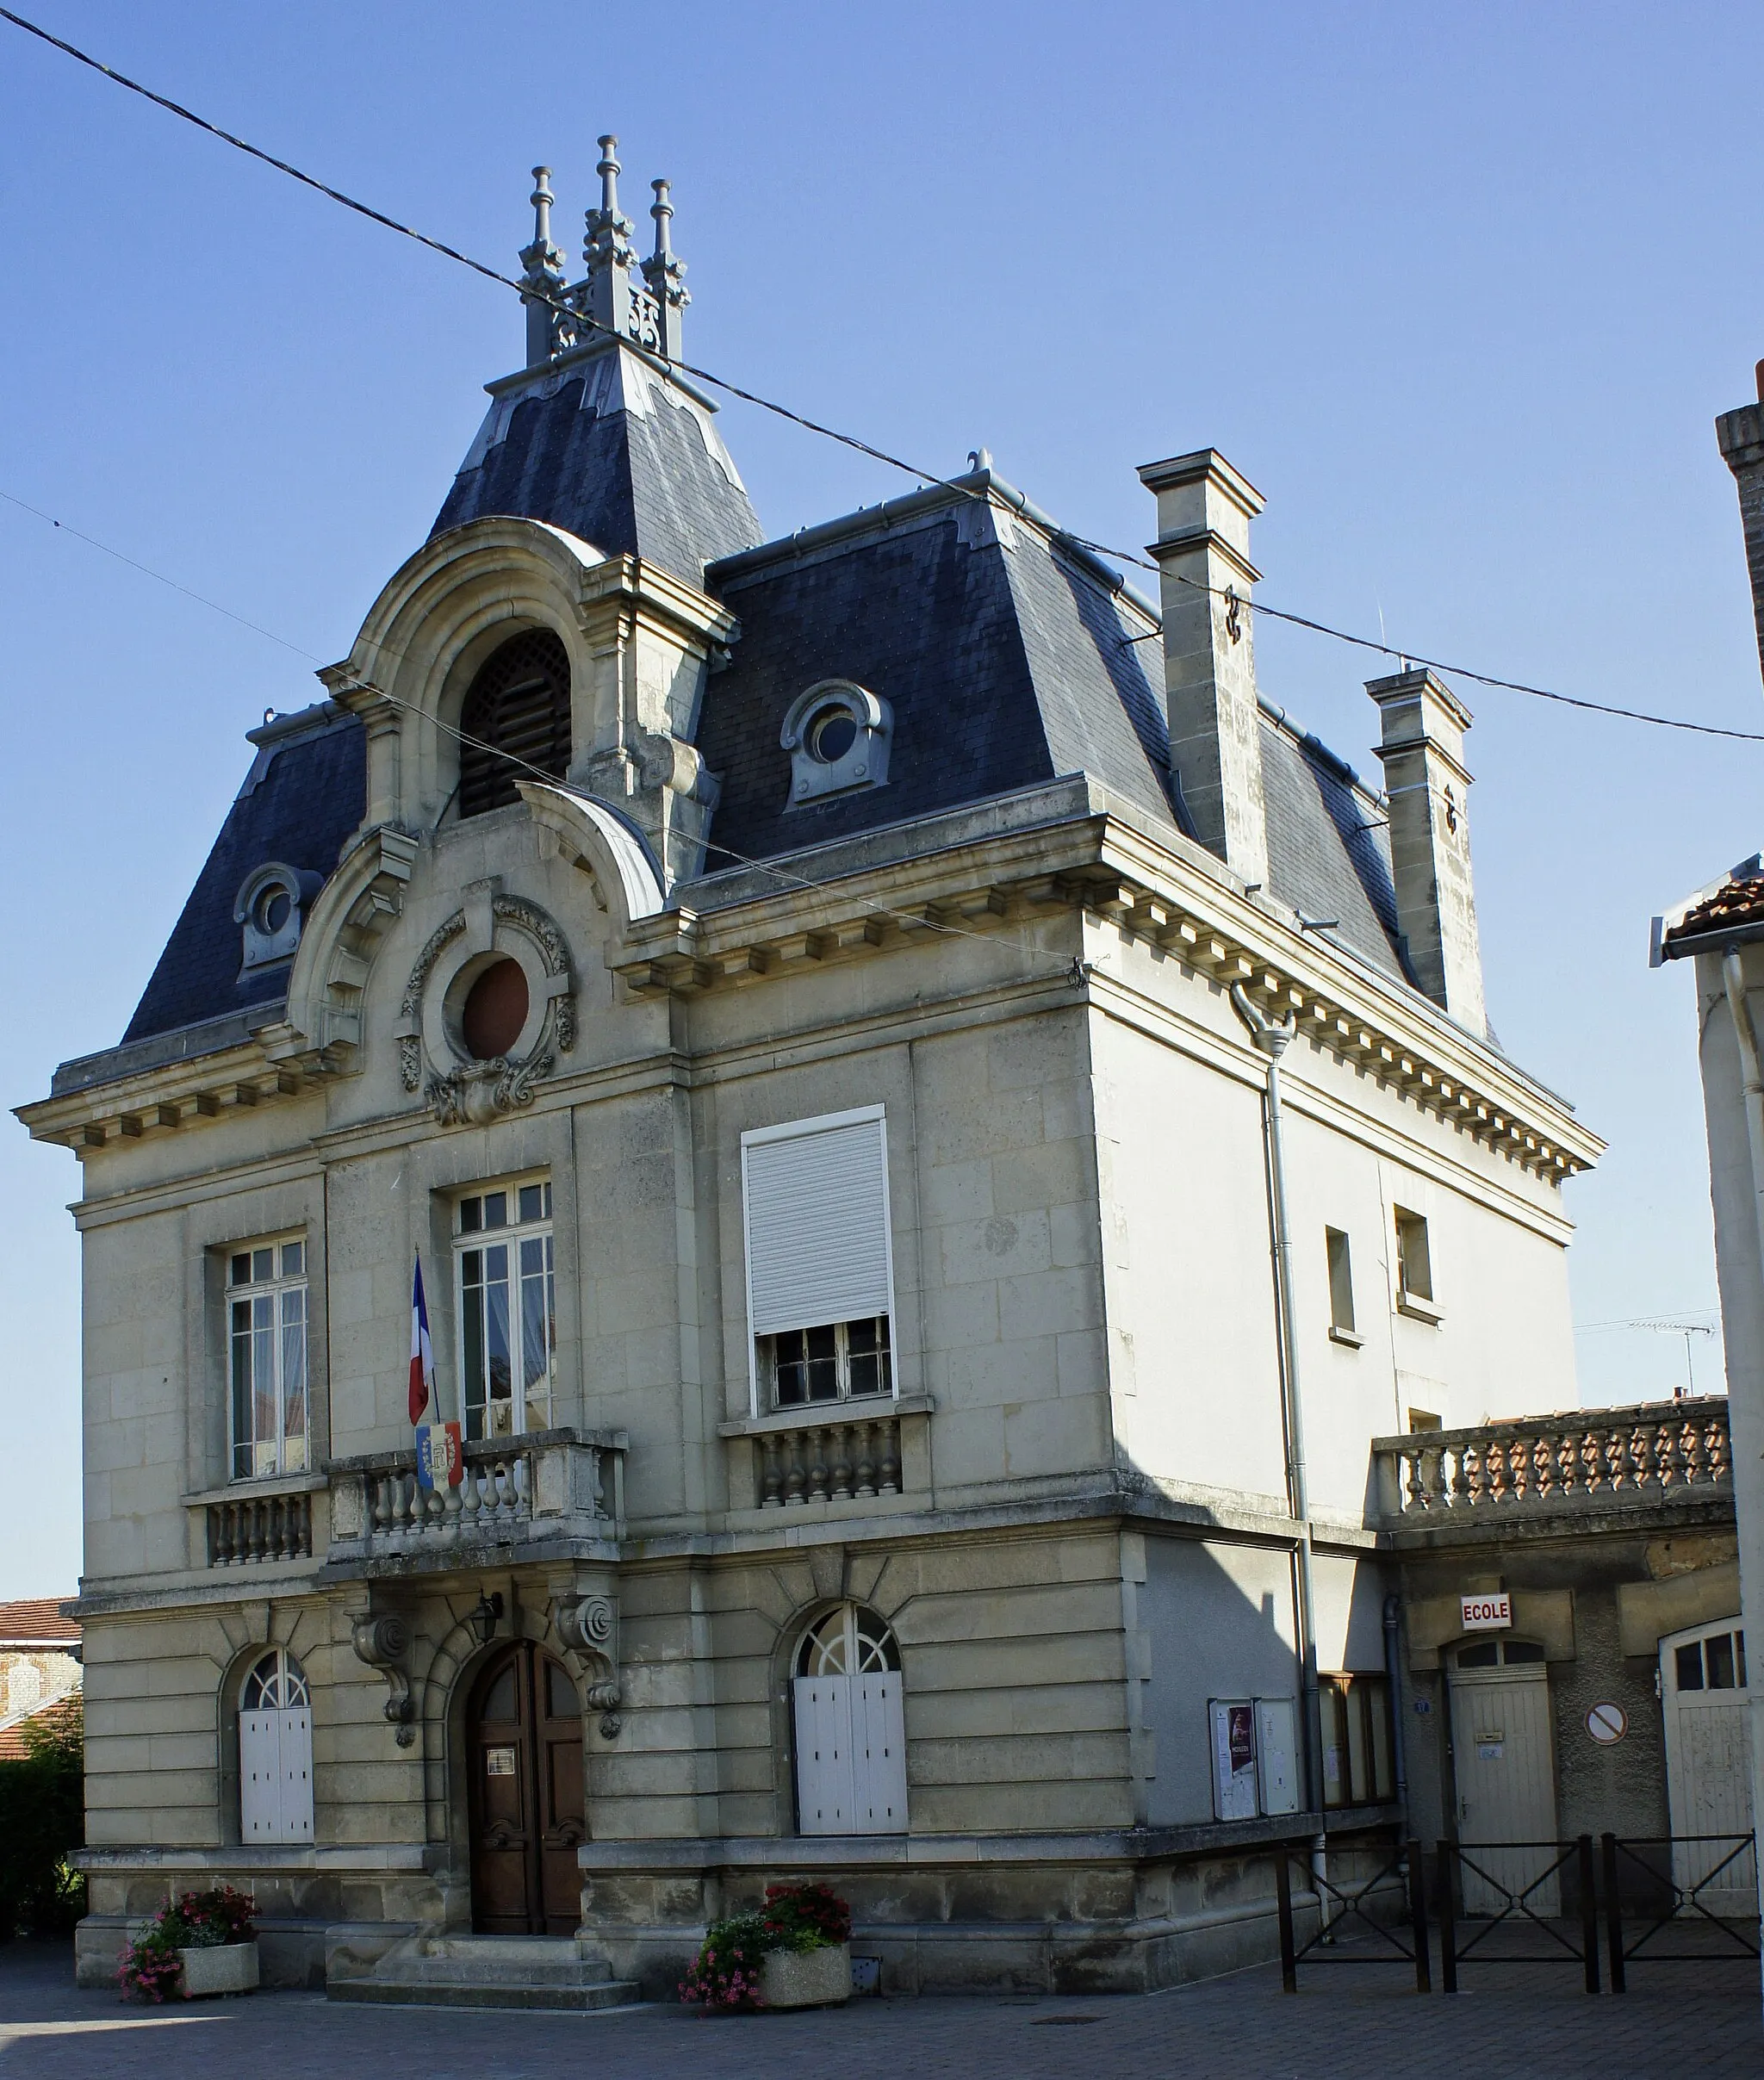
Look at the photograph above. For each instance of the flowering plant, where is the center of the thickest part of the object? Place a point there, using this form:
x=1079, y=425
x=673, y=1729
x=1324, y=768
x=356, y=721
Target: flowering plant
x=195, y=1920
x=805, y=1917
x=730, y=1964
x=726, y=1971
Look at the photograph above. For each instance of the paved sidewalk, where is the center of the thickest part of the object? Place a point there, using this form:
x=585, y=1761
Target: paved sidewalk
x=1346, y=2024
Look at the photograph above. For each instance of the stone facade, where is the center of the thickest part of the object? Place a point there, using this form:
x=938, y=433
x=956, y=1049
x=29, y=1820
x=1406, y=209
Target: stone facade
x=1074, y=1511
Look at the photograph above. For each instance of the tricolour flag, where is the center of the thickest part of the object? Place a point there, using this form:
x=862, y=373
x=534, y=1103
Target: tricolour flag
x=422, y=1352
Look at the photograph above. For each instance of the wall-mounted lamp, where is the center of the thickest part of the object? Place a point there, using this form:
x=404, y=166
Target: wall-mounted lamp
x=484, y=1615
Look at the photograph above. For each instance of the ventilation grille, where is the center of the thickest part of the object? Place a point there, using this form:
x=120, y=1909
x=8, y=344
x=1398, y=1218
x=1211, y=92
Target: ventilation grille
x=519, y=705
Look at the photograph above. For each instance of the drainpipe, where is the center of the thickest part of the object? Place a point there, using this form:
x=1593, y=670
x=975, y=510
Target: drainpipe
x=1393, y=1682
x=1270, y=1040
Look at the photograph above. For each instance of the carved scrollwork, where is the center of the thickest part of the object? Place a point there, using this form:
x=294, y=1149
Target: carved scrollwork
x=462, y=1090
x=410, y=1046
x=383, y=1643
x=589, y=1625
x=530, y=919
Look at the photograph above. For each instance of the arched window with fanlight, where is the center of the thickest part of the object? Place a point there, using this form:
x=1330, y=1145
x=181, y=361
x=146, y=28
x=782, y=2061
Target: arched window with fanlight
x=850, y=1727
x=516, y=717
x=275, y=1751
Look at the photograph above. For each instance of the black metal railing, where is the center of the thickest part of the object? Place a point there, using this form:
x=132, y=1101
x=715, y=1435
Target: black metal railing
x=1521, y=1908
x=1686, y=1906
x=1652, y=1896
x=1400, y=1873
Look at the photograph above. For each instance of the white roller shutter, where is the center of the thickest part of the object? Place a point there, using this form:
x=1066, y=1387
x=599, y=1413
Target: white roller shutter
x=816, y=1196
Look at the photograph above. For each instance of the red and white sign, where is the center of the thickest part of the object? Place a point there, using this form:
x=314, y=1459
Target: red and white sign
x=1488, y=1613
x=1607, y=1723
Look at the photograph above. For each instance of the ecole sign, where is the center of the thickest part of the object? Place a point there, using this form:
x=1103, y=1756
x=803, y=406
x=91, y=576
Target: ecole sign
x=1488, y=1613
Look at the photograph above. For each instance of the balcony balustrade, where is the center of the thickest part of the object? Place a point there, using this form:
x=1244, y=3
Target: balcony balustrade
x=257, y=1528
x=547, y=1484
x=1538, y=1465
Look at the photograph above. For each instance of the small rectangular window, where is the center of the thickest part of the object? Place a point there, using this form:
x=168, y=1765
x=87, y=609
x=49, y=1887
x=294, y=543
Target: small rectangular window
x=1341, y=1281
x=266, y=1315
x=1423, y=1419
x=507, y=1309
x=1718, y=1652
x=1414, y=1262
x=1690, y=1666
x=843, y=1361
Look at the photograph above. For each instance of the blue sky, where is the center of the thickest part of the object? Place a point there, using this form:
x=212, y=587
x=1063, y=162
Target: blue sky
x=1461, y=289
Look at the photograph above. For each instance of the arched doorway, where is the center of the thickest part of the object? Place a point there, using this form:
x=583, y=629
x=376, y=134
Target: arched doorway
x=524, y=1753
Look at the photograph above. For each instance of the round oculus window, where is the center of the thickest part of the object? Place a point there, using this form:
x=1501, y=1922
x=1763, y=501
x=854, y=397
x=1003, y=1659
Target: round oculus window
x=831, y=733
x=496, y=1010
x=269, y=911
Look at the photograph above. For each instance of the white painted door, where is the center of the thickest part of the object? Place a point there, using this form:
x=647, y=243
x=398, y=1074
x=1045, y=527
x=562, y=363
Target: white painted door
x=851, y=1753
x=276, y=1776
x=1702, y=1693
x=1504, y=1763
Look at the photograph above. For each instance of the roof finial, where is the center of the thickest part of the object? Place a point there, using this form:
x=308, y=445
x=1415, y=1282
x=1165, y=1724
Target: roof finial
x=609, y=171
x=544, y=275
x=665, y=273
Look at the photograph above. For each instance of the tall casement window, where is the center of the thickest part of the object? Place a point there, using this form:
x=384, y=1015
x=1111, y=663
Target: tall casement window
x=1357, y=1766
x=508, y=1308
x=819, y=1260
x=850, y=1727
x=266, y=1314
x=1341, y=1288
x=1414, y=1264
x=518, y=703
x=275, y=1752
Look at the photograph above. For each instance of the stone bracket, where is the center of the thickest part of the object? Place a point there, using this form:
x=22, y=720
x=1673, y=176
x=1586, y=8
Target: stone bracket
x=589, y=1625
x=384, y=1643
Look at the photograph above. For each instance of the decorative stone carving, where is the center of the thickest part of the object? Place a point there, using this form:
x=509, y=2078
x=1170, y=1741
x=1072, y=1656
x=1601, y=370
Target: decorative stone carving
x=589, y=1626
x=383, y=1643
x=459, y=1088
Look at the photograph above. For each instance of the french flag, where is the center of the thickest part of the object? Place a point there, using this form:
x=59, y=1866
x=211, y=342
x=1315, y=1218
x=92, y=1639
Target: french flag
x=422, y=1352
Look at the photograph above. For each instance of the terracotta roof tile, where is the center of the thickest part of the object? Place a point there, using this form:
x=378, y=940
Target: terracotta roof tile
x=1739, y=901
x=12, y=1741
x=37, y=1618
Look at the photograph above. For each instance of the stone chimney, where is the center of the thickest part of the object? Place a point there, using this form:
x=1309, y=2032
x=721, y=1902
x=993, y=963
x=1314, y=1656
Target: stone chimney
x=1741, y=436
x=1202, y=551
x=1422, y=750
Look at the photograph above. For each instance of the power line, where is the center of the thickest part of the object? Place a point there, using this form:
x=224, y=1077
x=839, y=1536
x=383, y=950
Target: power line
x=882, y=910
x=528, y=292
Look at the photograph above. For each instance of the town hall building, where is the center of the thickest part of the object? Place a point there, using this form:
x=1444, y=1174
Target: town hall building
x=938, y=1125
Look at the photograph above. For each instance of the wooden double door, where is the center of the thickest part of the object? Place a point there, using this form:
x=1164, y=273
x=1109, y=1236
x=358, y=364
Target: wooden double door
x=523, y=1749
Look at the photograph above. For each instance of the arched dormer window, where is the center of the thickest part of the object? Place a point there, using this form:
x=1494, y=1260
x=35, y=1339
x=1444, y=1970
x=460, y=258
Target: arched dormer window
x=517, y=708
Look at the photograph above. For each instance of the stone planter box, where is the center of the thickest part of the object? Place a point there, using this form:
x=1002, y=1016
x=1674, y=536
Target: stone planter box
x=807, y=1978
x=220, y=1968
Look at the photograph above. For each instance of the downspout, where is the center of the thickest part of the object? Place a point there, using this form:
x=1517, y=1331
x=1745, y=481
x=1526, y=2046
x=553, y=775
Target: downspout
x=1270, y=1040
x=1393, y=1680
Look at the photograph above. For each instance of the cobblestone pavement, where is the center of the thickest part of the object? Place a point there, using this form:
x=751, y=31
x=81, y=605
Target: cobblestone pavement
x=1343, y=2025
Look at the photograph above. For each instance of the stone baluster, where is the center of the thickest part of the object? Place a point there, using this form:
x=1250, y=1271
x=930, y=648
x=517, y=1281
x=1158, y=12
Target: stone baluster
x=1718, y=1447
x=817, y=1467
x=1668, y=1459
x=1456, y=1492
x=796, y=1473
x=1637, y=1451
x=770, y=1474
x=864, y=1472
x=1416, y=1485
x=888, y=1473
x=841, y=1476
x=1610, y=1448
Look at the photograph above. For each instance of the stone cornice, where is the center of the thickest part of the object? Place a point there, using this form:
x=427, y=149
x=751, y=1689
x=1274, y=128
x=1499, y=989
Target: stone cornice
x=1098, y=864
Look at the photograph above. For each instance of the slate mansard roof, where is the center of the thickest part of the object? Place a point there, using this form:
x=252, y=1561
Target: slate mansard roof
x=1009, y=657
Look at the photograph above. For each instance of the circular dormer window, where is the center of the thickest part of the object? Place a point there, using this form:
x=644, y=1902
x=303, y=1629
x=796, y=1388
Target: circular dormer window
x=494, y=1011
x=831, y=732
x=271, y=911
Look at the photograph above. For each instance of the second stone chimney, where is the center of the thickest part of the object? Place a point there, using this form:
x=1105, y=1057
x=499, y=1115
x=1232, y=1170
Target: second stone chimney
x=1202, y=551
x=1741, y=436
x=1422, y=750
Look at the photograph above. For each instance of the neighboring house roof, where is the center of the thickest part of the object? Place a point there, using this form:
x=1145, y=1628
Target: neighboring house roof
x=1731, y=908
x=303, y=797
x=14, y=1748
x=37, y=1622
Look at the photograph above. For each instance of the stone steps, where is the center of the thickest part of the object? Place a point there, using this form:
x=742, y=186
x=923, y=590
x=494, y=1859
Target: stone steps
x=488, y=1972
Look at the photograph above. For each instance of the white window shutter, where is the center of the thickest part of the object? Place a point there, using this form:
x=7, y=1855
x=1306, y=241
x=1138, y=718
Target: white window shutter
x=878, y=1753
x=817, y=1207
x=294, y=1758
x=260, y=1776
x=823, y=1760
